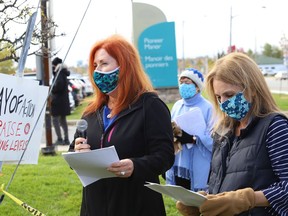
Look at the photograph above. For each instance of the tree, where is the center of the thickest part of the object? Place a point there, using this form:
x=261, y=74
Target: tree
x=15, y=14
x=272, y=51
x=220, y=54
x=267, y=50
x=6, y=67
x=251, y=53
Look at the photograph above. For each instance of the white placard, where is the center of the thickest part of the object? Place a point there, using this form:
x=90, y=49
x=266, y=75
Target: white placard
x=21, y=101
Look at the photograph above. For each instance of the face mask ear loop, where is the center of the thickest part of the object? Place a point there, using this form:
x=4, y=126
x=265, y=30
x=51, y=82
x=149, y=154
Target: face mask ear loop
x=243, y=91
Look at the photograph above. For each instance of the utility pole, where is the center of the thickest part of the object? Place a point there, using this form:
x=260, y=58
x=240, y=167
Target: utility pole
x=49, y=149
x=183, y=46
x=230, y=36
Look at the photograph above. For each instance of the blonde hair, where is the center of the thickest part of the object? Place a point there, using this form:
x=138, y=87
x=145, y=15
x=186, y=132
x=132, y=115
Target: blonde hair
x=239, y=69
x=133, y=81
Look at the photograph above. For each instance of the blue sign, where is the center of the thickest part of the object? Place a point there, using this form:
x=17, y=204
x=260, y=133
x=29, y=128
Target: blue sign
x=157, y=49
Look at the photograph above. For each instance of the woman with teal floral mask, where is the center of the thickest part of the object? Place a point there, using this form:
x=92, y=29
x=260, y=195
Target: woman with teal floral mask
x=249, y=167
x=236, y=106
x=126, y=113
x=106, y=81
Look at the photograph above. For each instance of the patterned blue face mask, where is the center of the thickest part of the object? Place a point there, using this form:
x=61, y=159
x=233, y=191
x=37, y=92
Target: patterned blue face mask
x=236, y=107
x=106, y=81
x=187, y=90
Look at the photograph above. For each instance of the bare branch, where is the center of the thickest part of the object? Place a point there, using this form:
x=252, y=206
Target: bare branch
x=14, y=15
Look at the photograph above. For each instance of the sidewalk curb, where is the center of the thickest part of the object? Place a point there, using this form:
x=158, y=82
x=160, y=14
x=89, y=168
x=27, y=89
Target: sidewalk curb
x=72, y=122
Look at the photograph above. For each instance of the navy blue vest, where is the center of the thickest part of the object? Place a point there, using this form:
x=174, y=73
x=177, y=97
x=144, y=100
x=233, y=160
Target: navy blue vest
x=243, y=162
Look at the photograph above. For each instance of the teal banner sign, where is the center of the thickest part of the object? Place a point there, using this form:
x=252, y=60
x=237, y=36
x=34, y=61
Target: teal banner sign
x=157, y=48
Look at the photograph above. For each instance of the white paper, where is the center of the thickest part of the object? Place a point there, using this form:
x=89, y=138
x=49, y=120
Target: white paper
x=92, y=166
x=192, y=122
x=187, y=197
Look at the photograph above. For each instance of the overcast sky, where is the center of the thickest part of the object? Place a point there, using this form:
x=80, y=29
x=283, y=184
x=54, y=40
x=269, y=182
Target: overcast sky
x=203, y=26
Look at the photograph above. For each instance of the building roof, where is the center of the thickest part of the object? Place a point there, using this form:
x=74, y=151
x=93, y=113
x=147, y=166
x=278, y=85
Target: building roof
x=262, y=60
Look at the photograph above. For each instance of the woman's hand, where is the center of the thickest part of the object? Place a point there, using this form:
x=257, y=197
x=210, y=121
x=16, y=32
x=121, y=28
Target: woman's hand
x=123, y=168
x=81, y=145
x=229, y=203
x=187, y=210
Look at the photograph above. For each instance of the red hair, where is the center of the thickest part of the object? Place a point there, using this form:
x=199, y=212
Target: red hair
x=133, y=81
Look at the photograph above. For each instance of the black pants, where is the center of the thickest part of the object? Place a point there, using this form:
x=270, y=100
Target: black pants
x=60, y=121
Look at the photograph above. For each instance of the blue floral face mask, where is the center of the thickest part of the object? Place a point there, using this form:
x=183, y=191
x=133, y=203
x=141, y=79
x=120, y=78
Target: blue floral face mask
x=236, y=107
x=106, y=81
x=187, y=90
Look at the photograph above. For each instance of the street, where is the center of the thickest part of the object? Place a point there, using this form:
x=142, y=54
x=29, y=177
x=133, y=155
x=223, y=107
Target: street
x=277, y=86
x=71, y=131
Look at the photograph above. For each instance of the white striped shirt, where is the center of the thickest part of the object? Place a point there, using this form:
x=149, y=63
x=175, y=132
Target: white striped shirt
x=277, y=145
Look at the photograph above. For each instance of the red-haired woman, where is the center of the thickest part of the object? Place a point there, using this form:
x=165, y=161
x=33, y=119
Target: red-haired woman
x=128, y=114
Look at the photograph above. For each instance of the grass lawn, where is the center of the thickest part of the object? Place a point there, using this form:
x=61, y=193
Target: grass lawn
x=281, y=101
x=50, y=187
x=53, y=188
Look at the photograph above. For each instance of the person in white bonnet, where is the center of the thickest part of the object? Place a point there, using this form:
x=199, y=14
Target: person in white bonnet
x=192, y=162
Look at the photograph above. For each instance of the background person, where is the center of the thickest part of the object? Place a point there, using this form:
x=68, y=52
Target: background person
x=249, y=169
x=125, y=113
x=60, y=106
x=192, y=163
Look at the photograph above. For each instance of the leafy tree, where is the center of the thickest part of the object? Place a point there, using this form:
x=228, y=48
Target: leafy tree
x=277, y=53
x=220, y=54
x=250, y=53
x=15, y=14
x=267, y=50
x=272, y=51
x=6, y=67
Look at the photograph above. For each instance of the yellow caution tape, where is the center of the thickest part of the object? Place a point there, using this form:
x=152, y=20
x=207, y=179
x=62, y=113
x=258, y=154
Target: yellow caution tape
x=30, y=209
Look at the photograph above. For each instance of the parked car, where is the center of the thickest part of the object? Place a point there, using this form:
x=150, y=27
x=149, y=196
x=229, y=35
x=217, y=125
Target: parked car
x=84, y=83
x=281, y=75
x=34, y=77
x=267, y=72
x=82, y=86
x=71, y=99
x=76, y=91
x=271, y=69
x=88, y=86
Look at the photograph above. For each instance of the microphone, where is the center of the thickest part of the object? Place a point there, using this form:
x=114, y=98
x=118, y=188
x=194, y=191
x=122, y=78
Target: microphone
x=82, y=126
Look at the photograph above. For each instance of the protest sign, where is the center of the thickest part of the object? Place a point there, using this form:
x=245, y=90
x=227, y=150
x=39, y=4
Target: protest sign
x=21, y=108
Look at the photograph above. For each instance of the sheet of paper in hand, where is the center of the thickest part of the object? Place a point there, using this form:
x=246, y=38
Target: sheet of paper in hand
x=92, y=166
x=192, y=122
x=187, y=197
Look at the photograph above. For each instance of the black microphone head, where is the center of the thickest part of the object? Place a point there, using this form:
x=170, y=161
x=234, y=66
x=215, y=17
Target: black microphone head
x=82, y=125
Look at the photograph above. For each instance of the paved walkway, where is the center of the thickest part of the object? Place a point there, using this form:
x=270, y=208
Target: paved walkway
x=71, y=131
